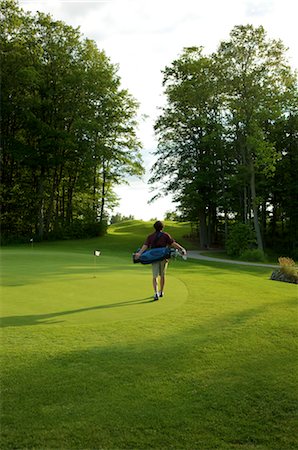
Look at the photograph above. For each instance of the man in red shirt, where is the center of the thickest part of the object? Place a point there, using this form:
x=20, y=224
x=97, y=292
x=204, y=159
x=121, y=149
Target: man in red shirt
x=156, y=240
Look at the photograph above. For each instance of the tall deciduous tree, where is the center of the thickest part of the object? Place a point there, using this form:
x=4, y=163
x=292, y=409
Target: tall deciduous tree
x=189, y=131
x=284, y=189
x=67, y=126
x=215, y=152
x=257, y=83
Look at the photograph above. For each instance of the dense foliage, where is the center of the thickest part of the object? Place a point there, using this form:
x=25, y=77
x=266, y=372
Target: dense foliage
x=228, y=139
x=67, y=129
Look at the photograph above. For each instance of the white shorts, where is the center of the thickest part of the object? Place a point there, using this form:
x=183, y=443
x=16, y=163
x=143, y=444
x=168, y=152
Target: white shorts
x=159, y=268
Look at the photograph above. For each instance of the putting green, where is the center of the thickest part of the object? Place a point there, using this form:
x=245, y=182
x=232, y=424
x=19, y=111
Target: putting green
x=54, y=288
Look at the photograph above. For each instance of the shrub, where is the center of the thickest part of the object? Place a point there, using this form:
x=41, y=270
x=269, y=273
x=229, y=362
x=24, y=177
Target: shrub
x=240, y=238
x=284, y=261
x=253, y=255
x=15, y=239
x=287, y=272
x=78, y=230
x=288, y=267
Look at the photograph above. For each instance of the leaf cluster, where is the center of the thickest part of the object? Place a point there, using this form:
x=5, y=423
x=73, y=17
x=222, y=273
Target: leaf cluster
x=68, y=128
x=219, y=148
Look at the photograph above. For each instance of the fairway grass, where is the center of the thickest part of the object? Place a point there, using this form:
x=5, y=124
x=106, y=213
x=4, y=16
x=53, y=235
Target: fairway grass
x=90, y=362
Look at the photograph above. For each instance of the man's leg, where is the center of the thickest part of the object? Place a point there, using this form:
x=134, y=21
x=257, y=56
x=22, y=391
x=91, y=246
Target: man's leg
x=163, y=267
x=162, y=283
x=155, y=284
x=155, y=273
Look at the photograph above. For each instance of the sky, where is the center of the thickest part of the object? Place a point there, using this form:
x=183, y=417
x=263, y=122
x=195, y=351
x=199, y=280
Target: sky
x=145, y=36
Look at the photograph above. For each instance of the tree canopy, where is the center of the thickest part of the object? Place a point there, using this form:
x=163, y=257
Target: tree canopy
x=68, y=129
x=220, y=144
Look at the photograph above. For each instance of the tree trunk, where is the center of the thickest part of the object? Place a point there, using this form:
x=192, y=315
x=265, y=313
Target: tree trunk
x=211, y=228
x=63, y=204
x=69, y=205
x=40, y=197
x=49, y=213
x=70, y=189
x=255, y=208
x=245, y=204
x=94, y=191
x=273, y=220
x=103, y=195
x=226, y=226
x=264, y=218
x=203, y=229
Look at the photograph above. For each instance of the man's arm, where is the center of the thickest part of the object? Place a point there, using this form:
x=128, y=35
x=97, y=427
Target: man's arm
x=179, y=247
x=143, y=248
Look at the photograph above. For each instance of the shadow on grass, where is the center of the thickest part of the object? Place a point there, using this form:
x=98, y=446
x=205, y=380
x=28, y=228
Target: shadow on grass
x=41, y=319
x=196, y=389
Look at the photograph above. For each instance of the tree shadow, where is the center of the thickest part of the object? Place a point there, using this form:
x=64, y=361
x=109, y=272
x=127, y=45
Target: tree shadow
x=44, y=319
x=228, y=396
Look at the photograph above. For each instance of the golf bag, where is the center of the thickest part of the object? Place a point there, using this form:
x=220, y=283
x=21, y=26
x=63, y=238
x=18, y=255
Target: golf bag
x=154, y=254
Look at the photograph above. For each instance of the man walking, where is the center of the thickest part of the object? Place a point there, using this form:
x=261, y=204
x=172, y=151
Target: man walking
x=156, y=240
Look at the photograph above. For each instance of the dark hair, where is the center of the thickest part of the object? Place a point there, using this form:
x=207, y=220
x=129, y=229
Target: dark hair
x=158, y=225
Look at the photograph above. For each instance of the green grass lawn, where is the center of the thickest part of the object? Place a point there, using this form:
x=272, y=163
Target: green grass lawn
x=90, y=362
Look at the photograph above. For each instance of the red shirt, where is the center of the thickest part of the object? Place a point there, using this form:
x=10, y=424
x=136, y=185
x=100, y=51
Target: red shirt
x=163, y=240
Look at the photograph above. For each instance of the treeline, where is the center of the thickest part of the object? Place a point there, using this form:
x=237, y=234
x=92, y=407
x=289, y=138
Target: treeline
x=67, y=129
x=227, y=136
x=228, y=148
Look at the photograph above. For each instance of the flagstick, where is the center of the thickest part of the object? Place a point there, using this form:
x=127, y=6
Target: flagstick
x=95, y=254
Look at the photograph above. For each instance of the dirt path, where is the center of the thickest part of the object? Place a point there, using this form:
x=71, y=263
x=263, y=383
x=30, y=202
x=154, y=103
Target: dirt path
x=195, y=254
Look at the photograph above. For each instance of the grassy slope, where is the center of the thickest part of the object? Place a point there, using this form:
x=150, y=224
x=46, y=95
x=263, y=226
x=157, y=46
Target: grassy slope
x=90, y=362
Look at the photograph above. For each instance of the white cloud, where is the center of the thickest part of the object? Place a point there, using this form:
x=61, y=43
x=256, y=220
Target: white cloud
x=137, y=204
x=259, y=7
